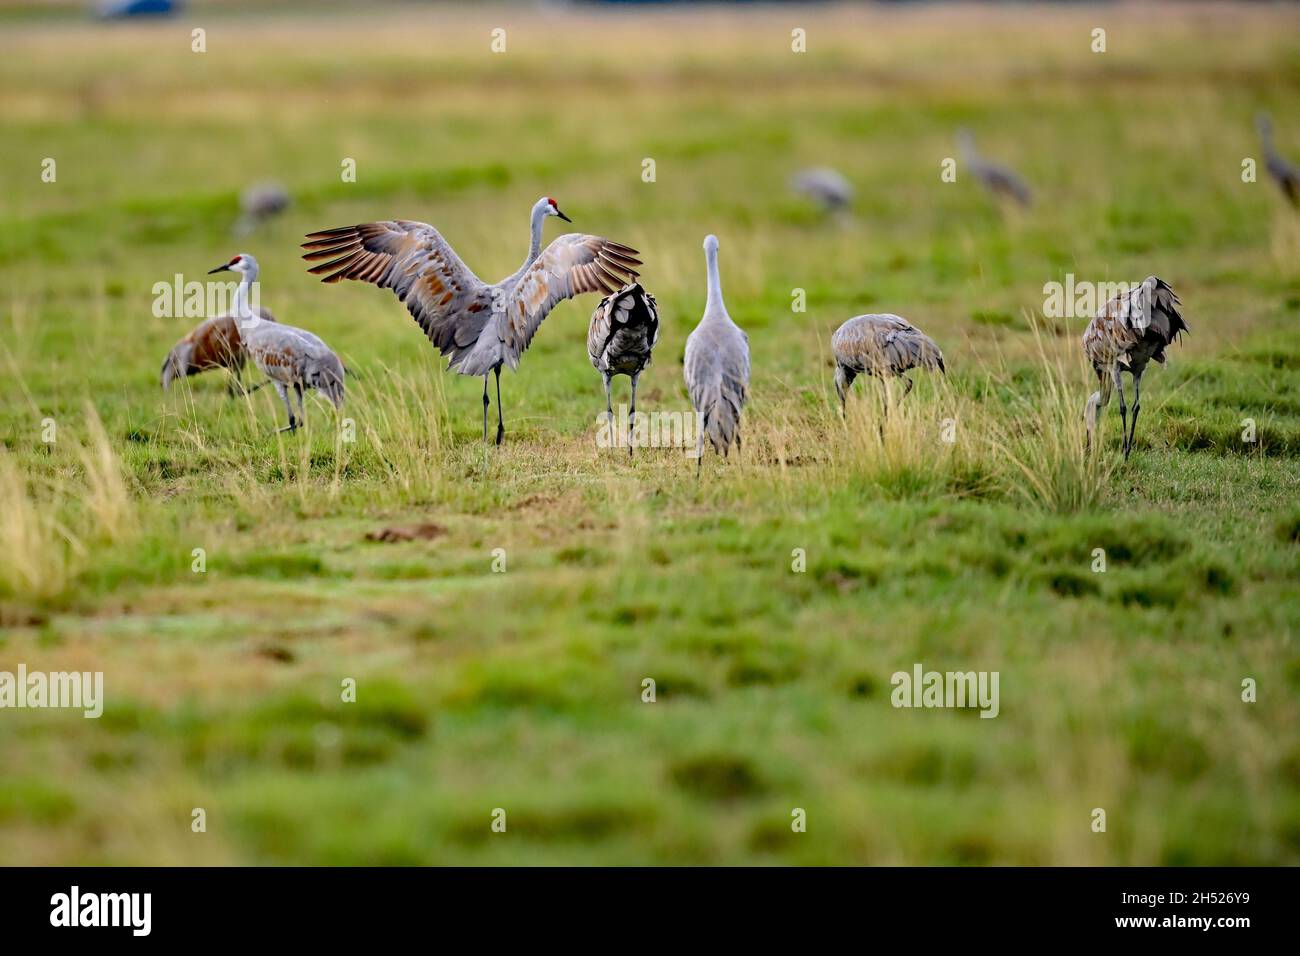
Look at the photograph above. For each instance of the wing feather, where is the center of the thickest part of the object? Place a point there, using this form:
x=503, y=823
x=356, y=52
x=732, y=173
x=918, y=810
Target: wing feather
x=419, y=265
x=572, y=265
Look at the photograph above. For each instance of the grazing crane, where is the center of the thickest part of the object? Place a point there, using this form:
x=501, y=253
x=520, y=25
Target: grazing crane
x=213, y=343
x=997, y=179
x=289, y=357
x=479, y=326
x=716, y=367
x=1127, y=332
x=622, y=335
x=880, y=345
x=824, y=186
x=1284, y=174
x=260, y=202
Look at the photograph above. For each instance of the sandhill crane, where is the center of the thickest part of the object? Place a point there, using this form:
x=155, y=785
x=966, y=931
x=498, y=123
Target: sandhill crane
x=289, y=357
x=1127, y=332
x=999, y=180
x=260, y=202
x=479, y=326
x=716, y=368
x=620, y=339
x=1284, y=174
x=880, y=345
x=213, y=343
x=824, y=186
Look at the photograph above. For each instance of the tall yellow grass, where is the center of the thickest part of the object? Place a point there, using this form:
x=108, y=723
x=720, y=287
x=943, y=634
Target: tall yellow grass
x=1039, y=440
x=50, y=527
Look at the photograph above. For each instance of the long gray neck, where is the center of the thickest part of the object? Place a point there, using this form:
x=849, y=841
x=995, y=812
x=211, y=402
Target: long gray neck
x=243, y=309
x=535, y=239
x=715, y=283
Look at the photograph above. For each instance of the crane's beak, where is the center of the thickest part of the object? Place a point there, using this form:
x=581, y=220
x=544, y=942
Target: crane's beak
x=562, y=215
x=221, y=268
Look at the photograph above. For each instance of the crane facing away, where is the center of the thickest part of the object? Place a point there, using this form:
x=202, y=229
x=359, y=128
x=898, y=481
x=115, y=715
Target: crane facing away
x=716, y=368
x=620, y=339
x=880, y=345
x=997, y=179
x=479, y=326
x=1128, y=332
x=213, y=343
x=1283, y=173
x=291, y=358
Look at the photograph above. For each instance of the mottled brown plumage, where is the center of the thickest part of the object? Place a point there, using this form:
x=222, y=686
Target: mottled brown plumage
x=1129, y=331
x=213, y=343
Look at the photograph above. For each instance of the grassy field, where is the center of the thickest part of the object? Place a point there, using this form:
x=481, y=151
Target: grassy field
x=522, y=690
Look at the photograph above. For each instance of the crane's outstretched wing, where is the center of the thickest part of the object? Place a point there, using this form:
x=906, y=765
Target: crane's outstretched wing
x=449, y=302
x=572, y=265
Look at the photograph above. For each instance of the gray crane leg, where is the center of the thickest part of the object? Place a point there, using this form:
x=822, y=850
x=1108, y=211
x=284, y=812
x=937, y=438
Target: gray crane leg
x=501, y=425
x=1137, y=405
x=302, y=412
x=844, y=377
x=609, y=407
x=485, y=406
x=631, y=415
x=1123, y=409
x=284, y=397
x=1092, y=411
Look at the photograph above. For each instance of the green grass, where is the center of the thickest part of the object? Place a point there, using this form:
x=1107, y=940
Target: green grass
x=521, y=690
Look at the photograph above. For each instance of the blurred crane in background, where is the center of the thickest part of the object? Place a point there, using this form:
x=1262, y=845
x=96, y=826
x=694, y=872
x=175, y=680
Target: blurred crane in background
x=1283, y=173
x=826, y=187
x=258, y=203
x=998, y=180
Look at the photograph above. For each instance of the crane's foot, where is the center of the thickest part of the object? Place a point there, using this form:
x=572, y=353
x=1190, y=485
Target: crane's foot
x=291, y=427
